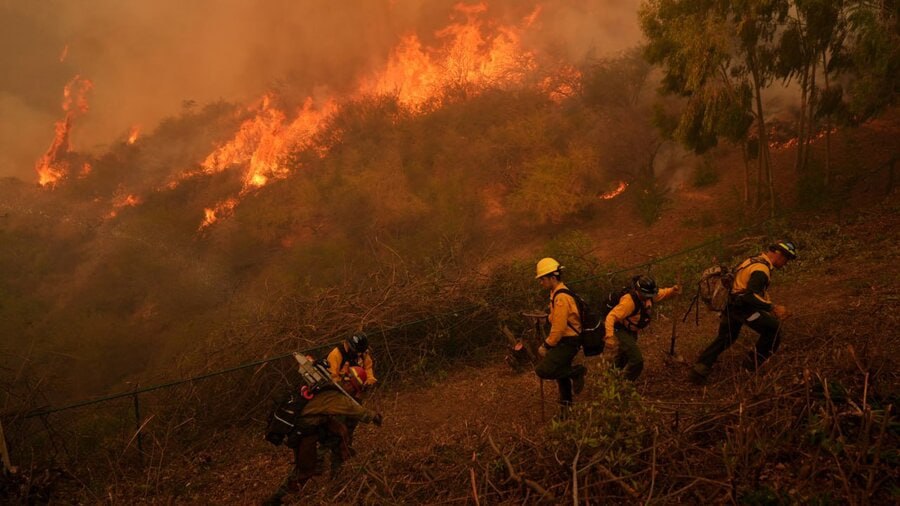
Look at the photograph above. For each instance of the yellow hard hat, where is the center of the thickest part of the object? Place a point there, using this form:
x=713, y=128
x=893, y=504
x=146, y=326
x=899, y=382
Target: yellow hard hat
x=547, y=266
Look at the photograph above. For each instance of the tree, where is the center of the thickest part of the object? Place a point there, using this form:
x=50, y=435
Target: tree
x=718, y=55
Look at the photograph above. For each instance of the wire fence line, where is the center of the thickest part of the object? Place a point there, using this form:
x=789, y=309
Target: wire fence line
x=40, y=412
x=250, y=397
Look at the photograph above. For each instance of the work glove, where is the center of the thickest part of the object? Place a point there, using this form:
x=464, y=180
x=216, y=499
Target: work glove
x=542, y=351
x=780, y=312
x=378, y=419
x=676, y=289
x=371, y=381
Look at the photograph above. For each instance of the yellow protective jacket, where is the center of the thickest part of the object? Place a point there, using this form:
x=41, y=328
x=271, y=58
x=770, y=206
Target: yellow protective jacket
x=339, y=364
x=564, y=318
x=624, y=313
x=751, y=283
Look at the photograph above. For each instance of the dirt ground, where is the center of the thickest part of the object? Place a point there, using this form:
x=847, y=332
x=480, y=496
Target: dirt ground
x=430, y=429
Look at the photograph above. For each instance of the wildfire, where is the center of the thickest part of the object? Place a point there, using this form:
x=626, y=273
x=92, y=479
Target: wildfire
x=133, y=134
x=615, y=193
x=792, y=142
x=128, y=200
x=472, y=56
x=211, y=215
x=52, y=166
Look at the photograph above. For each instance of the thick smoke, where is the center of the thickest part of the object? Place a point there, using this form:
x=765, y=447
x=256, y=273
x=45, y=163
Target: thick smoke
x=146, y=58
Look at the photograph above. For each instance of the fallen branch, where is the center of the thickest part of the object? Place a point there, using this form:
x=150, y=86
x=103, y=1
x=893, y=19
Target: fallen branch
x=533, y=485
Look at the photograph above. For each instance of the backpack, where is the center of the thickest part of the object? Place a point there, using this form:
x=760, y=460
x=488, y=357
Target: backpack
x=714, y=287
x=284, y=414
x=592, y=331
x=286, y=410
x=612, y=300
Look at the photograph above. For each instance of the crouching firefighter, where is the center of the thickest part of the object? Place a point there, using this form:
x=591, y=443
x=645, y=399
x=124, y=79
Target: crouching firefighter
x=749, y=304
x=562, y=343
x=314, y=413
x=630, y=310
x=353, y=352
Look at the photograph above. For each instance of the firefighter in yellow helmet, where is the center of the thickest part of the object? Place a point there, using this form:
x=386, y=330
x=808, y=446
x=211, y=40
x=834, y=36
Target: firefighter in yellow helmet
x=561, y=345
x=749, y=304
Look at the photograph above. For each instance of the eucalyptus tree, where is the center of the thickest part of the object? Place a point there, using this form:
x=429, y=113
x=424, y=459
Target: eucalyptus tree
x=720, y=56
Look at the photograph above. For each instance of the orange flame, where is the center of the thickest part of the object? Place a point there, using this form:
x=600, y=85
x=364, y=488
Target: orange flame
x=615, y=193
x=792, y=142
x=64, y=53
x=211, y=215
x=121, y=201
x=52, y=166
x=473, y=55
x=133, y=134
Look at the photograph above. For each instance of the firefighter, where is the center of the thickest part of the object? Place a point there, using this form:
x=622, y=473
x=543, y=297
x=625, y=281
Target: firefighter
x=561, y=345
x=749, y=304
x=322, y=421
x=633, y=313
x=354, y=351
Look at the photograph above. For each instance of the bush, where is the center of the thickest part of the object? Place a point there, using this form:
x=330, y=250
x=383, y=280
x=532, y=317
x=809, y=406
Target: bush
x=611, y=429
x=651, y=199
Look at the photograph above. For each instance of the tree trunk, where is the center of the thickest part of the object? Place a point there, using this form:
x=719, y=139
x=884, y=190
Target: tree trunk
x=746, y=172
x=764, y=160
x=827, y=124
x=801, y=127
x=811, y=115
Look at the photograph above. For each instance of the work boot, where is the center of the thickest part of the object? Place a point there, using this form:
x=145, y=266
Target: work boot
x=578, y=380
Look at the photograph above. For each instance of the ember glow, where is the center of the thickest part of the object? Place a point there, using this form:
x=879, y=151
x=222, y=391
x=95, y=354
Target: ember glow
x=792, y=142
x=53, y=166
x=121, y=201
x=133, y=135
x=615, y=193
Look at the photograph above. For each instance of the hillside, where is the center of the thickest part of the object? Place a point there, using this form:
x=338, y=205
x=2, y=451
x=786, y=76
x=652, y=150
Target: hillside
x=438, y=430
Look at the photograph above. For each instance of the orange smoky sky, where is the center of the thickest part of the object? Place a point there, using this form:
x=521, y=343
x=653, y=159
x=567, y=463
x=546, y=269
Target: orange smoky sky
x=148, y=58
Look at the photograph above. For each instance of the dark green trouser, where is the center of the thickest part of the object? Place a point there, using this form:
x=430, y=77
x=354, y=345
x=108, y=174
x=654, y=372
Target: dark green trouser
x=629, y=356
x=557, y=365
x=733, y=319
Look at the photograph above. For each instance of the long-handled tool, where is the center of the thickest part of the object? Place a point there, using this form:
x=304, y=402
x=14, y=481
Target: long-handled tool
x=672, y=355
x=536, y=318
x=316, y=376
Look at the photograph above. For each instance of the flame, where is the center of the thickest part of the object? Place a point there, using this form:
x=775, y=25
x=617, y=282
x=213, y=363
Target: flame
x=472, y=54
x=792, y=142
x=120, y=201
x=211, y=215
x=86, y=170
x=52, y=166
x=64, y=53
x=133, y=134
x=615, y=193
